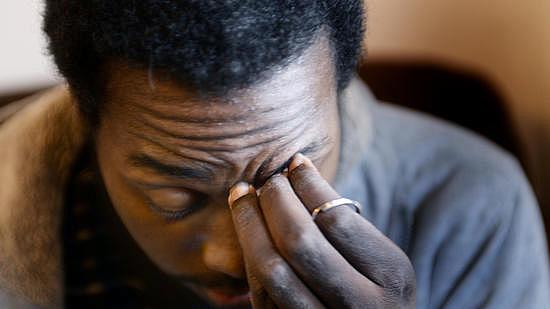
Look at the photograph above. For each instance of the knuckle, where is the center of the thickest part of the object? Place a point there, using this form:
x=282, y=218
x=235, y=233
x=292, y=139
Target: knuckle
x=303, y=177
x=273, y=271
x=297, y=245
x=400, y=283
x=408, y=285
x=273, y=184
x=254, y=284
x=257, y=290
x=405, y=270
x=245, y=212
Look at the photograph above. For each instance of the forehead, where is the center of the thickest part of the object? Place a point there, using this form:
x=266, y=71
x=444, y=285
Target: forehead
x=283, y=114
x=168, y=104
x=309, y=75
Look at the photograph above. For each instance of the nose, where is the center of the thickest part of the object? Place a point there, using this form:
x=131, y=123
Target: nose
x=221, y=251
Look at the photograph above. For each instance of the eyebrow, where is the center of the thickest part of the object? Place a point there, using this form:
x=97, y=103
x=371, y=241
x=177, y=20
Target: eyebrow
x=201, y=172
x=204, y=173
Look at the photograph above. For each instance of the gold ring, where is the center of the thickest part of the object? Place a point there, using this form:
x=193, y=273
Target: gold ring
x=335, y=203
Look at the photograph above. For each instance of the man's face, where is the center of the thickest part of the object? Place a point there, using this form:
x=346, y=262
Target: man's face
x=168, y=158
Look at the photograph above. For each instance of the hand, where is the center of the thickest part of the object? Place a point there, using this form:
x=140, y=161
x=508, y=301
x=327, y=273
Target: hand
x=340, y=260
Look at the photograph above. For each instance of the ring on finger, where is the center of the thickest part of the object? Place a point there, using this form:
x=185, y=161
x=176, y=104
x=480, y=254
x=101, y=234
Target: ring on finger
x=335, y=203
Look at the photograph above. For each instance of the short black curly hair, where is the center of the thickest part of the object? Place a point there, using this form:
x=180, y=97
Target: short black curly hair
x=211, y=46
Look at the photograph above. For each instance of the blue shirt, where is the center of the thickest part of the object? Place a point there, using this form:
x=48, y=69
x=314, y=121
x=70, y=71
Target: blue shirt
x=458, y=206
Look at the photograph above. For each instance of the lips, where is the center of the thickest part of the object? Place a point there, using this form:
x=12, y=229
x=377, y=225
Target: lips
x=221, y=293
x=224, y=298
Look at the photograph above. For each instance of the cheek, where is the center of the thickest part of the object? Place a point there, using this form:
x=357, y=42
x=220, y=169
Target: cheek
x=174, y=247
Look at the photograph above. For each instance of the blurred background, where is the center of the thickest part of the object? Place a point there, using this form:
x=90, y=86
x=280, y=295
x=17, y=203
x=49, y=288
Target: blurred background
x=482, y=64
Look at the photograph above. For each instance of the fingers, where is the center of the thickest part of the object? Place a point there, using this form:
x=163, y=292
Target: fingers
x=312, y=189
x=258, y=295
x=271, y=279
x=304, y=247
x=366, y=248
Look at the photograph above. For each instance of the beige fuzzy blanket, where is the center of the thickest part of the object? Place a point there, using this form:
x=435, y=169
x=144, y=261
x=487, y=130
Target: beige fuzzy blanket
x=39, y=140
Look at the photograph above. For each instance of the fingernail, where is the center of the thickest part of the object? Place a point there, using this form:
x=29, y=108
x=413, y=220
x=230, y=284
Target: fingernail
x=298, y=160
x=285, y=172
x=237, y=191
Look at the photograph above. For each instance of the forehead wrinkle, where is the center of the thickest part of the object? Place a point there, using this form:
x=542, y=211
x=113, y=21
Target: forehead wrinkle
x=258, y=130
x=174, y=152
x=246, y=113
x=200, y=120
x=188, y=107
x=221, y=150
x=260, y=135
x=226, y=149
x=182, y=108
x=283, y=138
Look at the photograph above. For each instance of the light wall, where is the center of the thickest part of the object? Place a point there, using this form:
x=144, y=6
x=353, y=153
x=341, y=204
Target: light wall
x=508, y=41
x=23, y=61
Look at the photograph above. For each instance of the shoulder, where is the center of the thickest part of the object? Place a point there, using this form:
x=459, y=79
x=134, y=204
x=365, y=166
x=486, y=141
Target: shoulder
x=435, y=156
x=38, y=145
x=453, y=184
x=474, y=221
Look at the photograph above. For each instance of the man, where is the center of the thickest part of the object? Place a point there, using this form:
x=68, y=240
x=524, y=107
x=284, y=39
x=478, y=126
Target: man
x=225, y=134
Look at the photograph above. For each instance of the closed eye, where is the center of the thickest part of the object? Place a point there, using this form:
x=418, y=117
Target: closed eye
x=175, y=215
